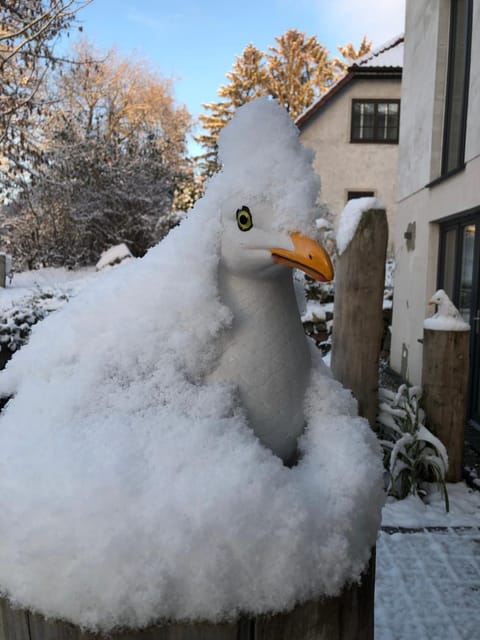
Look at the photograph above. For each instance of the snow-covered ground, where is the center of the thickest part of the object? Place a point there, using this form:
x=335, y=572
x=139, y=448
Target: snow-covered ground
x=428, y=568
x=428, y=561
x=25, y=284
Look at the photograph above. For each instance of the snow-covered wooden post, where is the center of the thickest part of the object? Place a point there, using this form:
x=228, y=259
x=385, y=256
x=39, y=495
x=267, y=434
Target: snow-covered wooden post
x=359, y=285
x=445, y=379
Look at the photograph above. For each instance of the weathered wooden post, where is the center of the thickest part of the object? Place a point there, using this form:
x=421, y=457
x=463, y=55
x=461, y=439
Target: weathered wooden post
x=3, y=270
x=358, y=327
x=346, y=617
x=445, y=382
x=359, y=286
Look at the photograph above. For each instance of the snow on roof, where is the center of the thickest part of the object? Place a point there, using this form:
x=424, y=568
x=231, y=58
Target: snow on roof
x=389, y=54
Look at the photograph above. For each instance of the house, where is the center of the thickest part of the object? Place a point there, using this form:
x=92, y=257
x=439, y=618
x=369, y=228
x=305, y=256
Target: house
x=437, y=242
x=354, y=130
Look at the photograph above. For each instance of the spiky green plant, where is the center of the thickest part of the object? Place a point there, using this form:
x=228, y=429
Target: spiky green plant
x=413, y=456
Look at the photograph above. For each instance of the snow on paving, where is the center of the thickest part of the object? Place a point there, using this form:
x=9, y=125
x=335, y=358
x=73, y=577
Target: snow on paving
x=428, y=585
x=428, y=568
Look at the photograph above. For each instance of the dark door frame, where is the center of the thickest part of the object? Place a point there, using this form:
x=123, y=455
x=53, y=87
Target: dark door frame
x=458, y=221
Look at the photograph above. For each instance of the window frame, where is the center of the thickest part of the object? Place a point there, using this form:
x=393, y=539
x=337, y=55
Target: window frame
x=376, y=102
x=359, y=193
x=451, y=76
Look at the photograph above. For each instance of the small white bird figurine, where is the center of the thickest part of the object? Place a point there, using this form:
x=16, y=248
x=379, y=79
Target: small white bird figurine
x=445, y=307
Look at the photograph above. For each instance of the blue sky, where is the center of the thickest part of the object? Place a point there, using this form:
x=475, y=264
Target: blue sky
x=195, y=42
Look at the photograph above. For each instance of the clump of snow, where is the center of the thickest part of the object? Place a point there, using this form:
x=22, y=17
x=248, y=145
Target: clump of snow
x=132, y=491
x=314, y=312
x=323, y=224
x=447, y=316
x=113, y=256
x=412, y=512
x=350, y=218
x=264, y=135
x=437, y=323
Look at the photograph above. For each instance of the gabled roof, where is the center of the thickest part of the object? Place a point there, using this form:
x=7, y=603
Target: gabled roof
x=386, y=60
x=389, y=54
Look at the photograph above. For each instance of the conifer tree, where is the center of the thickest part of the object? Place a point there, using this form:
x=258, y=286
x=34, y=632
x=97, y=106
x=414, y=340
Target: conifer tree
x=299, y=71
x=247, y=80
x=349, y=53
x=296, y=71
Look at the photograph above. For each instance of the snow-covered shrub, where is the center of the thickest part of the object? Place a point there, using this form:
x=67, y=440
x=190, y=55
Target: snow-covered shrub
x=413, y=456
x=16, y=321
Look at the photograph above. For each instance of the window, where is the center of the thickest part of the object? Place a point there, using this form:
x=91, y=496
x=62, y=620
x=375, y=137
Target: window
x=375, y=121
x=459, y=275
x=456, y=99
x=352, y=195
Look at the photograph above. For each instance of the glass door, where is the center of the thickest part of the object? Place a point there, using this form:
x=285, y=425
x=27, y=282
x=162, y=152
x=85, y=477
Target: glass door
x=459, y=275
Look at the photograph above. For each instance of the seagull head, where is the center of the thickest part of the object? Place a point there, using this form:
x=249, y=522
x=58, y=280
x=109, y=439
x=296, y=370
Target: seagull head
x=250, y=247
x=266, y=194
x=439, y=297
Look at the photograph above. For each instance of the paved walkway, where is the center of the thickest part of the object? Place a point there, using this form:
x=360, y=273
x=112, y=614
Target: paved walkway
x=428, y=584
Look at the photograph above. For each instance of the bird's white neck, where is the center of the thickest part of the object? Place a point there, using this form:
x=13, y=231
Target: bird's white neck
x=266, y=356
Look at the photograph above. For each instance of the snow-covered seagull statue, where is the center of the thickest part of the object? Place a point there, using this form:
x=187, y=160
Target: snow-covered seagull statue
x=142, y=471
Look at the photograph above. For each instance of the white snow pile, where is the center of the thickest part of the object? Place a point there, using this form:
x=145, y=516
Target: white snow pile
x=350, y=218
x=447, y=317
x=131, y=491
x=113, y=256
x=413, y=512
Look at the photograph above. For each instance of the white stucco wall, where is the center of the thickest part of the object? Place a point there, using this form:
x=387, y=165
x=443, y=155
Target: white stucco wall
x=344, y=166
x=423, y=88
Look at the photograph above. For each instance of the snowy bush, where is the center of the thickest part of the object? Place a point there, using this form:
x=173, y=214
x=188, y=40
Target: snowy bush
x=413, y=456
x=16, y=322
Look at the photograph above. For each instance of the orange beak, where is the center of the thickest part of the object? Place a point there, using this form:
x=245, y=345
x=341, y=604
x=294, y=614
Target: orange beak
x=307, y=255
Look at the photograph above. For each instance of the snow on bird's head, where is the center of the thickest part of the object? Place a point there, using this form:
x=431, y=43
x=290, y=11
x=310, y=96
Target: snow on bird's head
x=265, y=166
x=439, y=297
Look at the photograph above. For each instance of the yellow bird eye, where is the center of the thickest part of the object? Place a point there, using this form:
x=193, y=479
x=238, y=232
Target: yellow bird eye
x=244, y=219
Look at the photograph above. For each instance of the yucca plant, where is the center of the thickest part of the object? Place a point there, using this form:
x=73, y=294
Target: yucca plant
x=413, y=456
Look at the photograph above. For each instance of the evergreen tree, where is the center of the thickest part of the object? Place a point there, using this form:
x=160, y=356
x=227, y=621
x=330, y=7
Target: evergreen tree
x=299, y=71
x=296, y=72
x=350, y=54
x=247, y=80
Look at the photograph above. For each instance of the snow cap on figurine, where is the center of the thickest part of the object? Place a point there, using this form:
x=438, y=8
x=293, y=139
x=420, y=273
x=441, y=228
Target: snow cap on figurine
x=264, y=163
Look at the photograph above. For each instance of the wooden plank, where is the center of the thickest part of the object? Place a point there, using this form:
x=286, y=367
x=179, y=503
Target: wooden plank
x=13, y=622
x=350, y=616
x=17, y=624
x=346, y=617
x=445, y=389
x=358, y=311
x=3, y=270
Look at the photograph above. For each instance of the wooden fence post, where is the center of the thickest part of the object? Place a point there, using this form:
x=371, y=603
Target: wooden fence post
x=445, y=387
x=358, y=311
x=3, y=270
x=346, y=617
